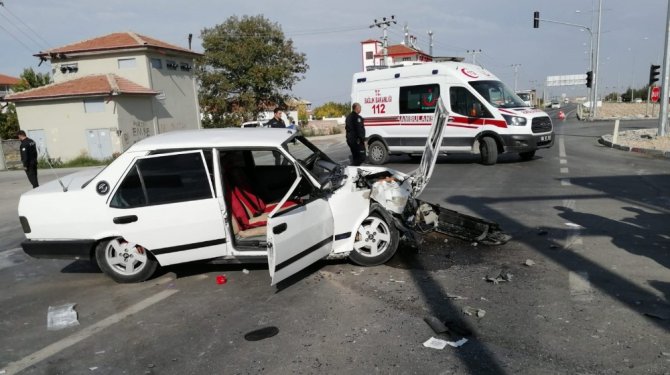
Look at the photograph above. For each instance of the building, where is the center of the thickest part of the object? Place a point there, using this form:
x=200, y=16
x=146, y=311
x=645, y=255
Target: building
x=108, y=93
x=373, y=54
x=6, y=85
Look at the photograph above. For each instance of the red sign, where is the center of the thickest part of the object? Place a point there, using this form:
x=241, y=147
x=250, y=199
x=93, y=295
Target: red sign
x=655, y=93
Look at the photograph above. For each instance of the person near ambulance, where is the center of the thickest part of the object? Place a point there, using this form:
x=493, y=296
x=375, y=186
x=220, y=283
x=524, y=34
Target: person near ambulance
x=355, y=128
x=276, y=121
x=28, y=157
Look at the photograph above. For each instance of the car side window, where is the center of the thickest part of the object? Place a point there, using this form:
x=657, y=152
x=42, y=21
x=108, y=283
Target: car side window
x=268, y=157
x=162, y=180
x=464, y=103
x=419, y=98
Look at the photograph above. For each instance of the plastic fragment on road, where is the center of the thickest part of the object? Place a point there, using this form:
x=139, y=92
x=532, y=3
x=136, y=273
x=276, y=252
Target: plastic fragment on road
x=262, y=333
x=529, y=263
x=500, y=276
x=428, y=215
x=458, y=343
x=467, y=310
x=245, y=271
x=93, y=368
x=434, y=343
x=60, y=317
x=221, y=279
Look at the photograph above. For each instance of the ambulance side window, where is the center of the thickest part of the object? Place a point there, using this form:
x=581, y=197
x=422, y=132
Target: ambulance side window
x=419, y=99
x=464, y=103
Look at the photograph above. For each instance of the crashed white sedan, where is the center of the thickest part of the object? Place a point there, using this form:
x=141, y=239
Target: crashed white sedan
x=238, y=194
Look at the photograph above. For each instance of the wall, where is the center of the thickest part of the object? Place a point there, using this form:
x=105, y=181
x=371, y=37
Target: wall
x=135, y=119
x=65, y=122
x=104, y=64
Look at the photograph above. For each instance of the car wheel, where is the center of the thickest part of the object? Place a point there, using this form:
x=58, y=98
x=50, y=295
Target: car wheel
x=375, y=241
x=123, y=261
x=527, y=155
x=488, y=150
x=377, y=153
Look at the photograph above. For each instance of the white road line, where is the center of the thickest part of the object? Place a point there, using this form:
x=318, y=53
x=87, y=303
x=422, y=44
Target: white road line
x=569, y=203
x=564, y=170
x=565, y=182
x=40, y=355
x=564, y=161
x=561, y=147
x=580, y=287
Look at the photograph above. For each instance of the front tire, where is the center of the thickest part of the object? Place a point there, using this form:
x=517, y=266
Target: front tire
x=488, y=150
x=123, y=261
x=378, y=154
x=376, y=240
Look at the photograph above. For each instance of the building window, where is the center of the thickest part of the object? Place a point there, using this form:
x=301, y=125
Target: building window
x=127, y=63
x=171, y=65
x=94, y=105
x=368, y=55
x=69, y=68
x=185, y=67
x=406, y=59
x=156, y=63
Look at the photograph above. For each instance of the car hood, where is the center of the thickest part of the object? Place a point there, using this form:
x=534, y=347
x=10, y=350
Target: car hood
x=71, y=182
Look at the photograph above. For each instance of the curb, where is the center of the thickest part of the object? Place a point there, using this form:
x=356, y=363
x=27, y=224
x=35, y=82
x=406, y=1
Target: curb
x=646, y=151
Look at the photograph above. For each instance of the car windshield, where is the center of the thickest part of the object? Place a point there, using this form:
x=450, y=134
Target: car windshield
x=524, y=96
x=314, y=160
x=496, y=93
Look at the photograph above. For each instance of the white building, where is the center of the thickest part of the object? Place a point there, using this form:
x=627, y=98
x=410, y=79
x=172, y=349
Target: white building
x=108, y=93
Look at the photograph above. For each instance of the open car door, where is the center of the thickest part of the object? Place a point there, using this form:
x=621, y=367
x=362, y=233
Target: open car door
x=299, y=235
x=421, y=176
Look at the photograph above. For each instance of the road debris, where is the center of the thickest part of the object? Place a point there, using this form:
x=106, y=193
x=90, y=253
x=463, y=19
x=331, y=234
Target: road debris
x=245, y=271
x=455, y=296
x=221, y=279
x=458, y=343
x=435, y=343
x=60, y=317
x=262, y=333
x=467, y=310
x=529, y=263
x=500, y=276
x=93, y=368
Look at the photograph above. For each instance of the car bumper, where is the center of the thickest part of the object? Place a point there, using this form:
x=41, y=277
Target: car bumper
x=59, y=249
x=527, y=142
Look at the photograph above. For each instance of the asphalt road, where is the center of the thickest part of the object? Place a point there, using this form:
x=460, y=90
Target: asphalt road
x=594, y=221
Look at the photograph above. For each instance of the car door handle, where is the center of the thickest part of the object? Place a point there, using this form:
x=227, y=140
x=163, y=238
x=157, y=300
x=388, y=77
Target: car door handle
x=125, y=219
x=279, y=228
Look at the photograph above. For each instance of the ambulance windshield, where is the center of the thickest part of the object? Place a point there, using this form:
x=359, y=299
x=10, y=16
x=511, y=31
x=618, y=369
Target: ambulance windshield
x=496, y=93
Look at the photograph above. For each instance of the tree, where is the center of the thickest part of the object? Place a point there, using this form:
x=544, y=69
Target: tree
x=332, y=109
x=9, y=122
x=246, y=67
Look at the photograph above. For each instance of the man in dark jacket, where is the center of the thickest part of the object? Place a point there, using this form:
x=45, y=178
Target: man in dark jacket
x=28, y=157
x=356, y=135
x=276, y=121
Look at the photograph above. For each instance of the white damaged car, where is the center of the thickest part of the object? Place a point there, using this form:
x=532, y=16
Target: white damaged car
x=236, y=194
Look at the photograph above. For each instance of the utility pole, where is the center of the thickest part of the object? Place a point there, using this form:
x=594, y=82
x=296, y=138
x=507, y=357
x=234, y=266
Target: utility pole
x=384, y=24
x=406, y=29
x=516, y=74
x=594, y=103
x=430, y=47
x=665, y=80
x=474, y=54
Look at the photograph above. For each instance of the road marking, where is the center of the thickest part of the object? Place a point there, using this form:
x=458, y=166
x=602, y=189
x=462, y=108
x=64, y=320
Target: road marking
x=564, y=170
x=569, y=203
x=561, y=147
x=564, y=161
x=580, y=287
x=40, y=355
x=6, y=261
x=565, y=182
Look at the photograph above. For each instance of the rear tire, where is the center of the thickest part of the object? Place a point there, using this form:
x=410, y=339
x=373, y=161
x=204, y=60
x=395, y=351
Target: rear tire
x=529, y=155
x=124, y=262
x=378, y=154
x=376, y=240
x=488, y=149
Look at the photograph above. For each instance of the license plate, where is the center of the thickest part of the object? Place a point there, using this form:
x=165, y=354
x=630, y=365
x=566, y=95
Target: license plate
x=545, y=138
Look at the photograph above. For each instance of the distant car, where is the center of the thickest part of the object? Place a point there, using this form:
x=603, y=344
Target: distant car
x=555, y=104
x=637, y=100
x=255, y=124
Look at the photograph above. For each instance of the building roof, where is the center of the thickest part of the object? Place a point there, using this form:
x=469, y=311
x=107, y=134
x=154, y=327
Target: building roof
x=400, y=50
x=93, y=85
x=227, y=137
x=8, y=80
x=114, y=41
x=370, y=41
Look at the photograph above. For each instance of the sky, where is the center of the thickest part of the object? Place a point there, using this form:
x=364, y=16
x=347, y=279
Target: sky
x=329, y=33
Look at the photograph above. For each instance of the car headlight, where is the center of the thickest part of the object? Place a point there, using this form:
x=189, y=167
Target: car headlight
x=515, y=120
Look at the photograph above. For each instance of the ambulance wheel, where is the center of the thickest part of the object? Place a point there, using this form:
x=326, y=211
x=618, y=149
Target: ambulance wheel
x=527, y=155
x=376, y=240
x=378, y=153
x=488, y=150
x=124, y=262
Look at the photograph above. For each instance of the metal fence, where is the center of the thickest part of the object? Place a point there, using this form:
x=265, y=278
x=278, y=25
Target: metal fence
x=10, y=155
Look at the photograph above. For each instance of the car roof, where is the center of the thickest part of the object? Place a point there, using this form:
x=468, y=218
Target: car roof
x=228, y=137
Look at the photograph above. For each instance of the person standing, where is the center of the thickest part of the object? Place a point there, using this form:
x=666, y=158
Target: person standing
x=28, y=157
x=355, y=128
x=276, y=121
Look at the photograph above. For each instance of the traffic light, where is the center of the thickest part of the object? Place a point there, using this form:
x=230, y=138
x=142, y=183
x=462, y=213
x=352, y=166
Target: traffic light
x=589, y=78
x=536, y=20
x=653, y=73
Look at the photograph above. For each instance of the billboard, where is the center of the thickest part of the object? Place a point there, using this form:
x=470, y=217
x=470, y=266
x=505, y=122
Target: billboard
x=567, y=80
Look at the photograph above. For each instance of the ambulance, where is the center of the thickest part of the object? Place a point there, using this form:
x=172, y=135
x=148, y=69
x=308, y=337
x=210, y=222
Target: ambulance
x=486, y=117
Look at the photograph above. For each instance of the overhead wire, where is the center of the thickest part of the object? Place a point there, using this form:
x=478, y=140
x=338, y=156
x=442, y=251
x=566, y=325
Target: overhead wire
x=46, y=44
x=18, y=40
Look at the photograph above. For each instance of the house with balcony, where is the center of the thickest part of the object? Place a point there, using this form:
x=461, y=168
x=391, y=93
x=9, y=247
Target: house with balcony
x=107, y=93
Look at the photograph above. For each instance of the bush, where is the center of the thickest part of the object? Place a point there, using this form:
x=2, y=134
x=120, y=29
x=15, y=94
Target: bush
x=80, y=161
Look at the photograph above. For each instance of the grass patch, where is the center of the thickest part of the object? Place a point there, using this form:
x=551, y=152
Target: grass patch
x=79, y=161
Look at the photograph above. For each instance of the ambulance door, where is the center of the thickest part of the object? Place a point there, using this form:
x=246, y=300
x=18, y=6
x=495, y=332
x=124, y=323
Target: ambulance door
x=467, y=118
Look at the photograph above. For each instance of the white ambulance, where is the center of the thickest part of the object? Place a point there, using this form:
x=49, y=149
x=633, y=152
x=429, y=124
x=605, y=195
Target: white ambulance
x=486, y=117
